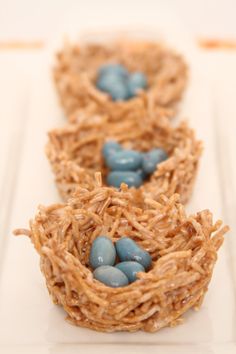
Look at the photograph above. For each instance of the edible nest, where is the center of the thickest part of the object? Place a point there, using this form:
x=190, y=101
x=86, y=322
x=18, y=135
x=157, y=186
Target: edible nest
x=183, y=250
x=77, y=66
x=75, y=154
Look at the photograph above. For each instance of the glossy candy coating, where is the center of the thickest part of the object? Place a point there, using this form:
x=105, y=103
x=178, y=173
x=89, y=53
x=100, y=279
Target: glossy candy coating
x=129, y=250
x=110, y=147
x=152, y=158
x=136, y=82
x=141, y=173
x=119, y=91
x=111, y=276
x=112, y=79
x=102, y=252
x=104, y=83
x=125, y=160
x=112, y=68
x=121, y=85
x=130, y=269
x=132, y=179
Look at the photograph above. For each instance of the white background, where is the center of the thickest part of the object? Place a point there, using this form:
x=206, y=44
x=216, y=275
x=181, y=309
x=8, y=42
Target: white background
x=42, y=19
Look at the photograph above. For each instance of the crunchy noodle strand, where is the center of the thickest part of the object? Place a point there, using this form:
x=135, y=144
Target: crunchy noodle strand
x=183, y=249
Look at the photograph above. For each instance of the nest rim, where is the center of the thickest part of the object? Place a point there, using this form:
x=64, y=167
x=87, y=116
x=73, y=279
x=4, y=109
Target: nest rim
x=162, y=94
x=102, y=308
x=164, y=180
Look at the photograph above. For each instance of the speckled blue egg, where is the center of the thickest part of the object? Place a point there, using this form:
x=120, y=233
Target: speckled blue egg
x=102, y=252
x=111, y=276
x=110, y=147
x=116, y=69
x=136, y=82
x=129, y=250
x=130, y=269
x=125, y=160
x=132, y=179
x=152, y=158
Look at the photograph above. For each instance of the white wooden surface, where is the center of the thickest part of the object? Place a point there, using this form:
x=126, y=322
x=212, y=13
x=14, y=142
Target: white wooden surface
x=28, y=108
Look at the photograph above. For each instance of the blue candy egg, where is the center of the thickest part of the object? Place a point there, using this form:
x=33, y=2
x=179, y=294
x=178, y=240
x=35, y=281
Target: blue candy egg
x=102, y=252
x=110, y=147
x=116, y=69
x=118, y=83
x=119, y=91
x=106, y=82
x=152, y=158
x=111, y=276
x=132, y=179
x=129, y=250
x=125, y=160
x=130, y=269
x=141, y=173
x=136, y=82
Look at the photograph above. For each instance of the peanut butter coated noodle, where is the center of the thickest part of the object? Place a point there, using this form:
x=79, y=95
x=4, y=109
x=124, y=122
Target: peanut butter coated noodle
x=75, y=153
x=76, y=69
x=183, y=249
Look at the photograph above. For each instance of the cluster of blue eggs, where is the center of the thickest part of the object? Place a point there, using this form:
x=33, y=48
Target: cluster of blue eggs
x=119, y=83
x=130, y=166
x=103, y=255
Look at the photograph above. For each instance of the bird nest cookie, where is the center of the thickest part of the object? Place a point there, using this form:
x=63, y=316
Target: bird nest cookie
x=77, y=66
x=183, y=250
x=75, y=154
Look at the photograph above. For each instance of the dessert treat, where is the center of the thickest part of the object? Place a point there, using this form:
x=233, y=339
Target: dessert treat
x=103, y=256
x=183, y=251
x=158, y=72
x=123, y=256
x=77, y=151
x=130, y=269
x=129, y=166
x=121, y=85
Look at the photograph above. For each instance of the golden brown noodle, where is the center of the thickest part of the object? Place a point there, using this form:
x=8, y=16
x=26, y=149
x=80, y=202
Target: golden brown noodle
x=75, y=153
x=183, y=249
x=76, y=69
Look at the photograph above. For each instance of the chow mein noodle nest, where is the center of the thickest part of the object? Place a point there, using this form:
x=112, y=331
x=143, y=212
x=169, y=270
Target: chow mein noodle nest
x=183, y=250
x=76, y=68
x=75, y=154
